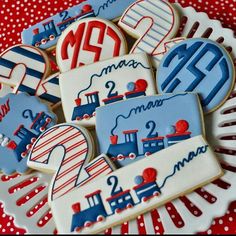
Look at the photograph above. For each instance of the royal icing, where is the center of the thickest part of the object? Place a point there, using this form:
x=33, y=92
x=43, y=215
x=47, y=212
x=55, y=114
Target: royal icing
x=153, y=23
x=88, y=87
x=46, y=33
x=23, y=67
x=136, y=128
x=87, y=41
x=49, y=90
x=22, y=119
x=66, y=150
x=152, y=182
x=197, y=65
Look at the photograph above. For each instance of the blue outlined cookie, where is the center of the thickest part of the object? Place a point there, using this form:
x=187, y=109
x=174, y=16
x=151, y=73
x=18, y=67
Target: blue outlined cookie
x=198, y=65
x=130, y=130
x=22, y=119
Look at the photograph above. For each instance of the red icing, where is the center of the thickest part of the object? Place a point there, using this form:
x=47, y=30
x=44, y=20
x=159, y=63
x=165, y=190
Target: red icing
x=114, y=139
x=130, y=131
x=76, y=207
x=149, y=175
x=85, y=30
x=181, y=126
x=91, y=48
x=4, y=109
x=141, y=85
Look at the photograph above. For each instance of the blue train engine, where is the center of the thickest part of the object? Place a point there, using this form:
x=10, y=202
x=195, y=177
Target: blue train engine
x=178, y=133
x=39, y=124
x=49, y=34
x=86, y=111
x=147, y=187
x=136, y=89
x=128, y=149
x=95, y=213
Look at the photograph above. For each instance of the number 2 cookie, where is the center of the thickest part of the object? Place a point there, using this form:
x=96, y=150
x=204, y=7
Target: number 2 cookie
x=87, y=41
x=198, y=65
x=22, y=119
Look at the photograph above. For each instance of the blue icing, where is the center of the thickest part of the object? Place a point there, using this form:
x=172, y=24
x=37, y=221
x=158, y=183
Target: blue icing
x=160, y=112
x=55, y=25
x=22, y=110
x=197, y=65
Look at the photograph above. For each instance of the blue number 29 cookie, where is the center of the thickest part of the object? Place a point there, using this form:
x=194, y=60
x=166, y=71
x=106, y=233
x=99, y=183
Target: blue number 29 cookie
x=198, y=65
x=22, y=119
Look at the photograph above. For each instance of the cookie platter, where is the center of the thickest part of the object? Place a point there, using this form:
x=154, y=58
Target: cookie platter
x=187, y=214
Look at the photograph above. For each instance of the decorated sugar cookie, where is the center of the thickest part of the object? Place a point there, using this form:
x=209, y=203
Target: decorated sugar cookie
x=136, y=189
x=154, y=23
x=198, y=65
x=102, y=83
x=22, y=119
x=67, y=150
x=136, y=128
x=87, y=41
x=46, y=33
x=23, y=67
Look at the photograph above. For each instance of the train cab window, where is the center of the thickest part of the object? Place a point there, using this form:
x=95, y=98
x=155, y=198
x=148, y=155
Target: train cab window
x=146, y=145
x=153, y=144
x=95, y=200
x=127, y=197
x=113, y=203
x=120, y=200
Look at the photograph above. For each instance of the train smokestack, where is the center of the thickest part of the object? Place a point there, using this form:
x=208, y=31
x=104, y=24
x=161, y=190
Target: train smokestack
x=12, y=145
x=114, y=139
x=36, y=31
x=76, y=207
x=78, y=101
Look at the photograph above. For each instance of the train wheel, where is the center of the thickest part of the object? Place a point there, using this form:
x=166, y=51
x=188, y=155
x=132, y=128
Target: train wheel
x=100, y=218
x=132, y=156
x=86, y=116
x=52, y=37
x=144, y=199
x=29, y=146
x=48, y=120
x=42, y=129
x=78, y=229
x=129, y=205
x=23, y=154
x=78, y=118
x=44, y=41
x=37, y=44
x=120, y=157
x=33, y=140
x=94, y=113
x=147, y=154
x=117, y=210
x=87, y=224
x=156, y=194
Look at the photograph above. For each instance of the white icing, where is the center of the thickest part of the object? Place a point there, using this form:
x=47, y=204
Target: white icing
x=164, y=162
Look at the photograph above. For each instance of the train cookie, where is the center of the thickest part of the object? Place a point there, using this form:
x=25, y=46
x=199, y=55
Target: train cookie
x=130, y=130
x=45, y=34
x=88, y=87
x=198, y=65
x=117, y=198
x=87, y=41
x=22, y=119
